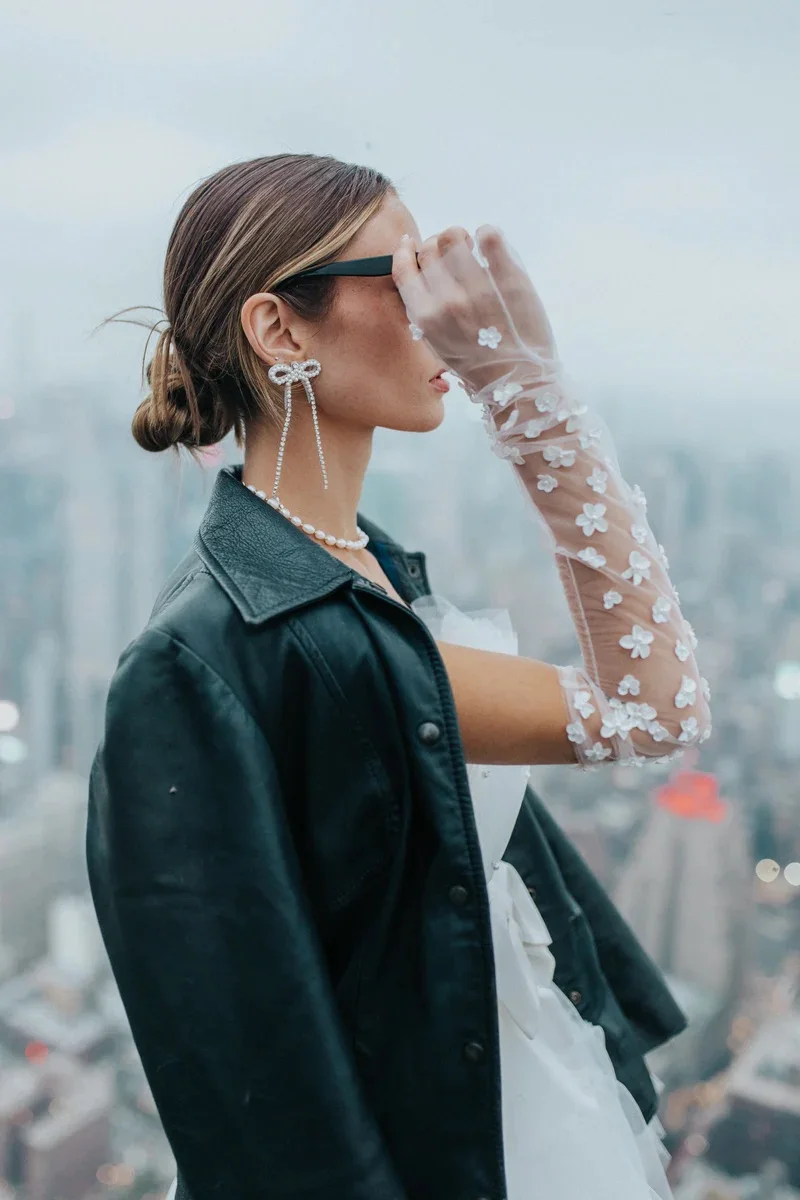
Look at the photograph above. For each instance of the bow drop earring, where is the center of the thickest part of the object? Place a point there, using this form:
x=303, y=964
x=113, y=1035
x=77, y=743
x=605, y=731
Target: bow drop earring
x=289, y=374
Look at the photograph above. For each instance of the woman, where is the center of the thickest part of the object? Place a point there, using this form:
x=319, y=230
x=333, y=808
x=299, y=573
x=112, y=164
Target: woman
x=339, y=974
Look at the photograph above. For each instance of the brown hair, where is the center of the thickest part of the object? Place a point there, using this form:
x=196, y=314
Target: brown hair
x=241, y=231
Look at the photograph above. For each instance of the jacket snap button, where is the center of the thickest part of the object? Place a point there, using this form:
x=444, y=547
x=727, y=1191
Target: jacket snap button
x=575, y=997
x=413, y=569
x=459, y=895
x=473, y=1052
x=429, y=733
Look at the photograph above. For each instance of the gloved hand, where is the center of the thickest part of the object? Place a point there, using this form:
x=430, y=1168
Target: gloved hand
x=475, y=304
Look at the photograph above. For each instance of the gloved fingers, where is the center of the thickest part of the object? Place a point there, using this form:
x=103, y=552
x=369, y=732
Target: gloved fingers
x=407, y=276
x=516, y=287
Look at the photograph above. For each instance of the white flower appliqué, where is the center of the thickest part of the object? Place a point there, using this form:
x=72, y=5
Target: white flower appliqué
x=583, y=704
x=629, y=686
x=638, y=641
x=657, y=732
x=597, y=752
x=490, y=337
x=706, y=690
x=661, y=610
x=598, y=481
x=558, y=457
x=534, y=428
x=503, y=450
x=505, y=394
x=682, y=651
x=687, y=693
x=590, y=439
x=576, y=733
x=615, y=723
x=640, y=716
x=547, y=483
x=547, y=402
x=663, y=556
x=639, y=568
x=692, y=635
x=639, y=533
x=592, y=558
x=610, y=599
x=416, y=332
x=689, y=730
x=510, y=420
x=592, y=519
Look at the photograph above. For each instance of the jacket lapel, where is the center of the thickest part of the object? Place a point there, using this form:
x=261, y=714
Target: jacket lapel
x=267, y=566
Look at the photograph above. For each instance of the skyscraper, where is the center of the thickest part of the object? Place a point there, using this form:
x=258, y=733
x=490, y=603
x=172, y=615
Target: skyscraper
x=686, y=887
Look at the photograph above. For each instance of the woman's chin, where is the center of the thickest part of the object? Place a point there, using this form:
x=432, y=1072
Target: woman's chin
x=422, y=415
x=426, y=416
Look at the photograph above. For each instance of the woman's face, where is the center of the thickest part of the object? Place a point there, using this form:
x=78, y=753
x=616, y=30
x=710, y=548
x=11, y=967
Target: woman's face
x=373, y=372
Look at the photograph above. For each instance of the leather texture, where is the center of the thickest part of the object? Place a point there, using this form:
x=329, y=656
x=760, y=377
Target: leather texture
x=279, y=859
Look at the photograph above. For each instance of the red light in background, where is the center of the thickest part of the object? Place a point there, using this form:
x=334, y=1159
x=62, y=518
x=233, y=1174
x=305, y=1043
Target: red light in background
x=693, y=795
x=36, y=1052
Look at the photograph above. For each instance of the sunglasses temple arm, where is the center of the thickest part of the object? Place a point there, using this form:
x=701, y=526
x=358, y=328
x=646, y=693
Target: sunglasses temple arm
x=379, y=265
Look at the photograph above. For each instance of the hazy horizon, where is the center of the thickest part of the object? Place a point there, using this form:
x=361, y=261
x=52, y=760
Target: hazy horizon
x=644, y=160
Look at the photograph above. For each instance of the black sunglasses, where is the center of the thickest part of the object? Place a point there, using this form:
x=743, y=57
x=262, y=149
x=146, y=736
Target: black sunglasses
x=380, y=264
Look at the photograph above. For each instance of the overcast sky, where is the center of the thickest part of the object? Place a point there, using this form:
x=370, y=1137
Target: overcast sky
x=644, y=158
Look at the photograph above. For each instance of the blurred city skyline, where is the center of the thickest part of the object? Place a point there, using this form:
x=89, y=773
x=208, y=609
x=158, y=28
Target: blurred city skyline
x=643, y=157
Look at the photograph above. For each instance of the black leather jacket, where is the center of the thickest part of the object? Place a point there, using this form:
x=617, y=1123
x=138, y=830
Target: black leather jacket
x=286, y=871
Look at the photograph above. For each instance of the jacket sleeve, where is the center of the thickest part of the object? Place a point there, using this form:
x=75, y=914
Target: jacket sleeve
x=635, y=979
x=202, y=907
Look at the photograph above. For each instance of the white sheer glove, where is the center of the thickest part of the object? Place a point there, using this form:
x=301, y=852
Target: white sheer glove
x=639, y=693
x=481, y=320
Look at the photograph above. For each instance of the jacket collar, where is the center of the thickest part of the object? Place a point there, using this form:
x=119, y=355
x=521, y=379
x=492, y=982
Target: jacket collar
x=267, y=566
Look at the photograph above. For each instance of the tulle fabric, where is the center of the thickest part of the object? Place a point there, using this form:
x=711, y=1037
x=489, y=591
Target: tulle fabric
x=638, y=694
x=571, y=1130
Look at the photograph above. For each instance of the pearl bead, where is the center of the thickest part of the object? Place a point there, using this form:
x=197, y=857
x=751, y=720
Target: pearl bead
x=330, y=539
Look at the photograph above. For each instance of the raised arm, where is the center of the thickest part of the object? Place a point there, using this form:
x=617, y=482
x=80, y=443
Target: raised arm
x=638, y=693
x=639, y=690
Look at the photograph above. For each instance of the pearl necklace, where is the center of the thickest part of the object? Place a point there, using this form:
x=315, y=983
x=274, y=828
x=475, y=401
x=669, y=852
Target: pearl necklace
x=330, y=540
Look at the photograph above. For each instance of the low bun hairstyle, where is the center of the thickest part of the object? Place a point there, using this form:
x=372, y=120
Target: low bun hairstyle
x=242, y=231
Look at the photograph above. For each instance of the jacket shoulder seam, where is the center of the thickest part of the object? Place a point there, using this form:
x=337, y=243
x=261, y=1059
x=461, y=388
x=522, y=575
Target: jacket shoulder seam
x=198, y=658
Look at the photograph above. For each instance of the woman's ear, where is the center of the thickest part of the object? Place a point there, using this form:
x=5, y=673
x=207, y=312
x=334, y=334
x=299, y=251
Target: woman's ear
x=271, y=327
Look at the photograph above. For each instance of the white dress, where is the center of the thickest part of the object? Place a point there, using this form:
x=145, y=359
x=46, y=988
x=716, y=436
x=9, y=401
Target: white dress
x=571, y=1130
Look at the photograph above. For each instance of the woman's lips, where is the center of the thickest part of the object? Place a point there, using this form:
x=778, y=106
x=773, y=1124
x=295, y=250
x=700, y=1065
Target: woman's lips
x=440, y=384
